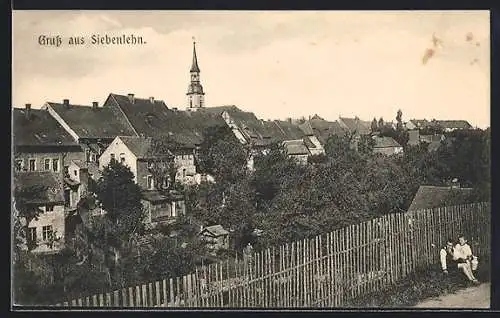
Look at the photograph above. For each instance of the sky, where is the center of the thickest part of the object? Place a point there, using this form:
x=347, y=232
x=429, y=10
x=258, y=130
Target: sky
x=429, y=64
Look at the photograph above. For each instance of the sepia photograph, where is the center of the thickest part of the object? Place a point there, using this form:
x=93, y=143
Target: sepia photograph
x=250, y=160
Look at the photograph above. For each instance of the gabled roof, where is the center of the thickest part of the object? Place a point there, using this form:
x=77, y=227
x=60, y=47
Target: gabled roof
x=357, y=125
x=306, y=128
x=385, y=142
x=41, y=129
x=428, y=197
x=420, y=123
x=80, y=164
x=295, y=147
x=89, y=122
x=156, y=120
x=140, y=146
x=454, y=124
x=290, y=130
x=51, y=181
x=434, y=145
x=215, y=230
x=324, y=129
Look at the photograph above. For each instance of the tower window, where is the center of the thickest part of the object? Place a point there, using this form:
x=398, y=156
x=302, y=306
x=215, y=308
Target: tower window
x=190, y=102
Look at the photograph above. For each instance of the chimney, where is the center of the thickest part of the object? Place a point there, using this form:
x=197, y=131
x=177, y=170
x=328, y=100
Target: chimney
x=28, y=111
x=131, y=98
x=95, y=105
x=152, y=100
x=66, y=103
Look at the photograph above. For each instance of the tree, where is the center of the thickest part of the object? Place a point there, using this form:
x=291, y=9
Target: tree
x=222, y=155
x=121, y=198
x=162, y=163
x=25, y=211
x=381, y=123
x=374, y=125
x=399, y=116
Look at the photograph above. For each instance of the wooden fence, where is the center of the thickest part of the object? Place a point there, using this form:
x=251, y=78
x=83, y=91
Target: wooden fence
x=324, y=271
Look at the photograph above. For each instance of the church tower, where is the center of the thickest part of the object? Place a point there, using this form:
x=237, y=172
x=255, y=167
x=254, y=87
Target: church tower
x=195, y=94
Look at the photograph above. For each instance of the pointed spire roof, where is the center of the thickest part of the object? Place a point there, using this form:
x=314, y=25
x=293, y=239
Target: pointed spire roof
x=194, y=66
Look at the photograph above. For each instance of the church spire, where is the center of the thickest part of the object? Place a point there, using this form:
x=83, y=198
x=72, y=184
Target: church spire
x=194, y=66
x=195, y=94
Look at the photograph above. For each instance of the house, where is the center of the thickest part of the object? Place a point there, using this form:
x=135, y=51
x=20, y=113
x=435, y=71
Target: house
x=76, y=184
x=93, y=127
x=355, y=125
x=452, y=125
x=429, y=138
x=324, y=129
x=387, y=146
x=152, y=118
x=297, y=149
x=260, y=134
x=413, y=137
x=428, y=197
x=46, y=233
x=162, y=205
x=216, y=237
x=417, y=124
x=42, y=144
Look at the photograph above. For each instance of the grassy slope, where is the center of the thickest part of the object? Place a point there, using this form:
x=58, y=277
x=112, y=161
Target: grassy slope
x=420, y=286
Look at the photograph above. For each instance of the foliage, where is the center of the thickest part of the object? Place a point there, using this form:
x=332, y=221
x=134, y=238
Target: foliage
x=162, y=163
x=399, y=120
x=374, y=125
x=25, y=212
x=120, y=197
x=222, y=155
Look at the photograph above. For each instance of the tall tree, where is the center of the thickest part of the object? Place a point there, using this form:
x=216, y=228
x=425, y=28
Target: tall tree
x=222, y=155
x=121, y=198
x=374, y=125
x=399, y=120
x=381, y=123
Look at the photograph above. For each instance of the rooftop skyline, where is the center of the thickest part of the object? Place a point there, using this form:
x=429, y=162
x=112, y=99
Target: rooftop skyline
x=275, y=64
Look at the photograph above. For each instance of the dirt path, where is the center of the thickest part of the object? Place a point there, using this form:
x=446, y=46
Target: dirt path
x=472, y=297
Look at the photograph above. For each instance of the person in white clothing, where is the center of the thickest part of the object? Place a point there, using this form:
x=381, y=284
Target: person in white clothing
x=461, y=255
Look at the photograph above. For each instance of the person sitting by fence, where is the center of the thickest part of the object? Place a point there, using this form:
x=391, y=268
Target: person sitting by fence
x=458, y=257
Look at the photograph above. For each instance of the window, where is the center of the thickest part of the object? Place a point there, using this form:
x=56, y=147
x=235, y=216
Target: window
x=174, y=209
x=87, y=155
x=75, y=173
x=150, y=182
x=31, y=237
x=122, y=158
x=183, y=173
x=112, y=156
x=47, y=232
x=93, y=157
x=55, y=165
x=46, y=164
x=19, y=163
x=66, y=170
x=49, y=208
x=32, y=164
